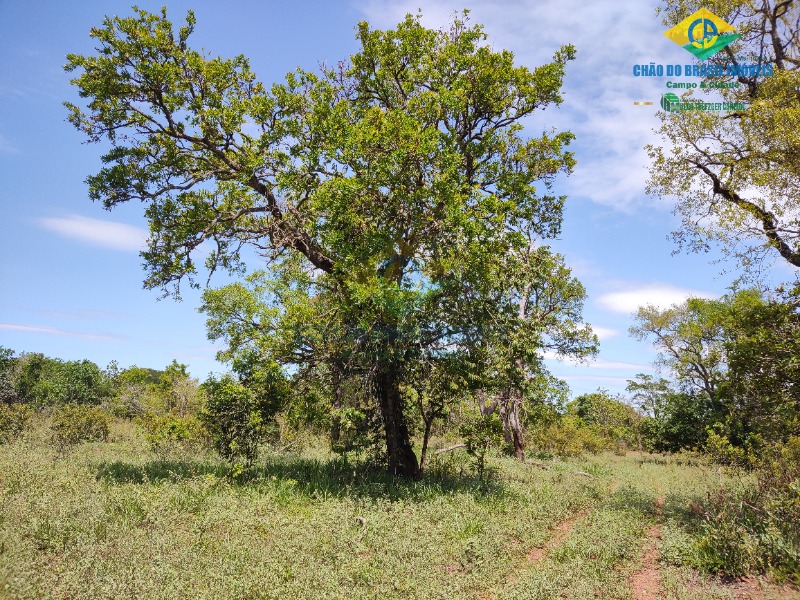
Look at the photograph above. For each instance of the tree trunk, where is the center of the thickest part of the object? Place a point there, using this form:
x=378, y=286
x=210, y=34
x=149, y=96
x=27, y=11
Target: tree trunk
x=425, y=439
x=336, y=430
x=503, y=405
x=402, y=460
x=510, y=406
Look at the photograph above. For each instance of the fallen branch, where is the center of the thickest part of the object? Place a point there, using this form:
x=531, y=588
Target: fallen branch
x=538, y=463
x=363, y=522
x=443, y=450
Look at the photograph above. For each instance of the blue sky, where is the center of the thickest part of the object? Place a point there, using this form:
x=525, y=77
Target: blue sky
x=70, y=273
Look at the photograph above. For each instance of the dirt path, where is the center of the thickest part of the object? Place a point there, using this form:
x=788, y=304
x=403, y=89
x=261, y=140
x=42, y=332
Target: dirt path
x=646, y=582
x=560, y=532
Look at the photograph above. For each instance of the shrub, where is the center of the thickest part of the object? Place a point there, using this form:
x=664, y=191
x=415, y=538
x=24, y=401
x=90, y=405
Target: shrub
x=13, y=421
x=756, y=530
x=480, y=433
x=720, y=449
x=233, y=419
x=73, y=424
x=128, y=403
x=170, y=435
x=565, y=437
x=240, y=412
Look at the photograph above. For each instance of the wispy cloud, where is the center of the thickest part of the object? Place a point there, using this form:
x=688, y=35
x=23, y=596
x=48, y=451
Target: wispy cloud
x=607, y=379
x=109, y=234
x=599, y=363
x=42, y=329
x=83, y=315
x=661, y=295
x=6, y=146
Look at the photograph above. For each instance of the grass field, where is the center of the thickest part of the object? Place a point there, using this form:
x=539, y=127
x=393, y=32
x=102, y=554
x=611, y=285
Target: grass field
x=109, y=520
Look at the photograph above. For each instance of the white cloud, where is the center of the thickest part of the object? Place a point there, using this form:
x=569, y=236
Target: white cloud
x=83, y=315
x=661, y=295
x=109, y=234
x=608, y=379
x=604, y=333
x=59, y=332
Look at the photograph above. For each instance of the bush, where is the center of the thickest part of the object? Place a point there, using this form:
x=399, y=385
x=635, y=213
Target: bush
x=720, y=449
x=756, y=530
x=73, y=424
x=481, y=432
x=234, y=420
x=170, y=435
x=13, y=421
x=565, y=437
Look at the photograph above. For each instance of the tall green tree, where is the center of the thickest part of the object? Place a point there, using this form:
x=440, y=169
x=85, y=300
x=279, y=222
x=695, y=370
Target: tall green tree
x=736, y=174
x=383, y=188
x=672, y=419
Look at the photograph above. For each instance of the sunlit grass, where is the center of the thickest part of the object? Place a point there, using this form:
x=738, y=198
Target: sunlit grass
x=112, y=520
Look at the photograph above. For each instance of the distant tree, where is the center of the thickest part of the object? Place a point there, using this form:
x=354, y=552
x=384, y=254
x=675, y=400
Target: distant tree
x=46, y=381
x=381, y=192
x=649, y=394
x=179, y=392
x=689, y=337
x=608, y=417
x=672, y=419
x=734, y=368
x=135, y=391
x=8, y=376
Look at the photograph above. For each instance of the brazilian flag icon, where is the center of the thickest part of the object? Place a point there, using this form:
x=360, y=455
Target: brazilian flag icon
x=703, y=34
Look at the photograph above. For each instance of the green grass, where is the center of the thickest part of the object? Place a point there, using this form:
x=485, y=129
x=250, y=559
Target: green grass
x=110, y=520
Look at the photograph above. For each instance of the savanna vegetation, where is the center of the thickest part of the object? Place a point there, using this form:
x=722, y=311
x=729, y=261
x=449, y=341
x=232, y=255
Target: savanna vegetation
x=387, y=425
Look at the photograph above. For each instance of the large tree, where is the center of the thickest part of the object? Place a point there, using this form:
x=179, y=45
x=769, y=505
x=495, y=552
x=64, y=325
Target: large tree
x=382, y=190
x=736, y=174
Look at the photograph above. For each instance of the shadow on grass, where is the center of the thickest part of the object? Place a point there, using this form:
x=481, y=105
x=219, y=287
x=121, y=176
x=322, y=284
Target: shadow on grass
x=630, y=499
x=313, y=478
x=685, y=510
x=157, y=471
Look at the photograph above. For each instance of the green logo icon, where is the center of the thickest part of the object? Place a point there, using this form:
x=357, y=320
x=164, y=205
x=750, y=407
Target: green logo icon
x=668, y=99
x=703, y=34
